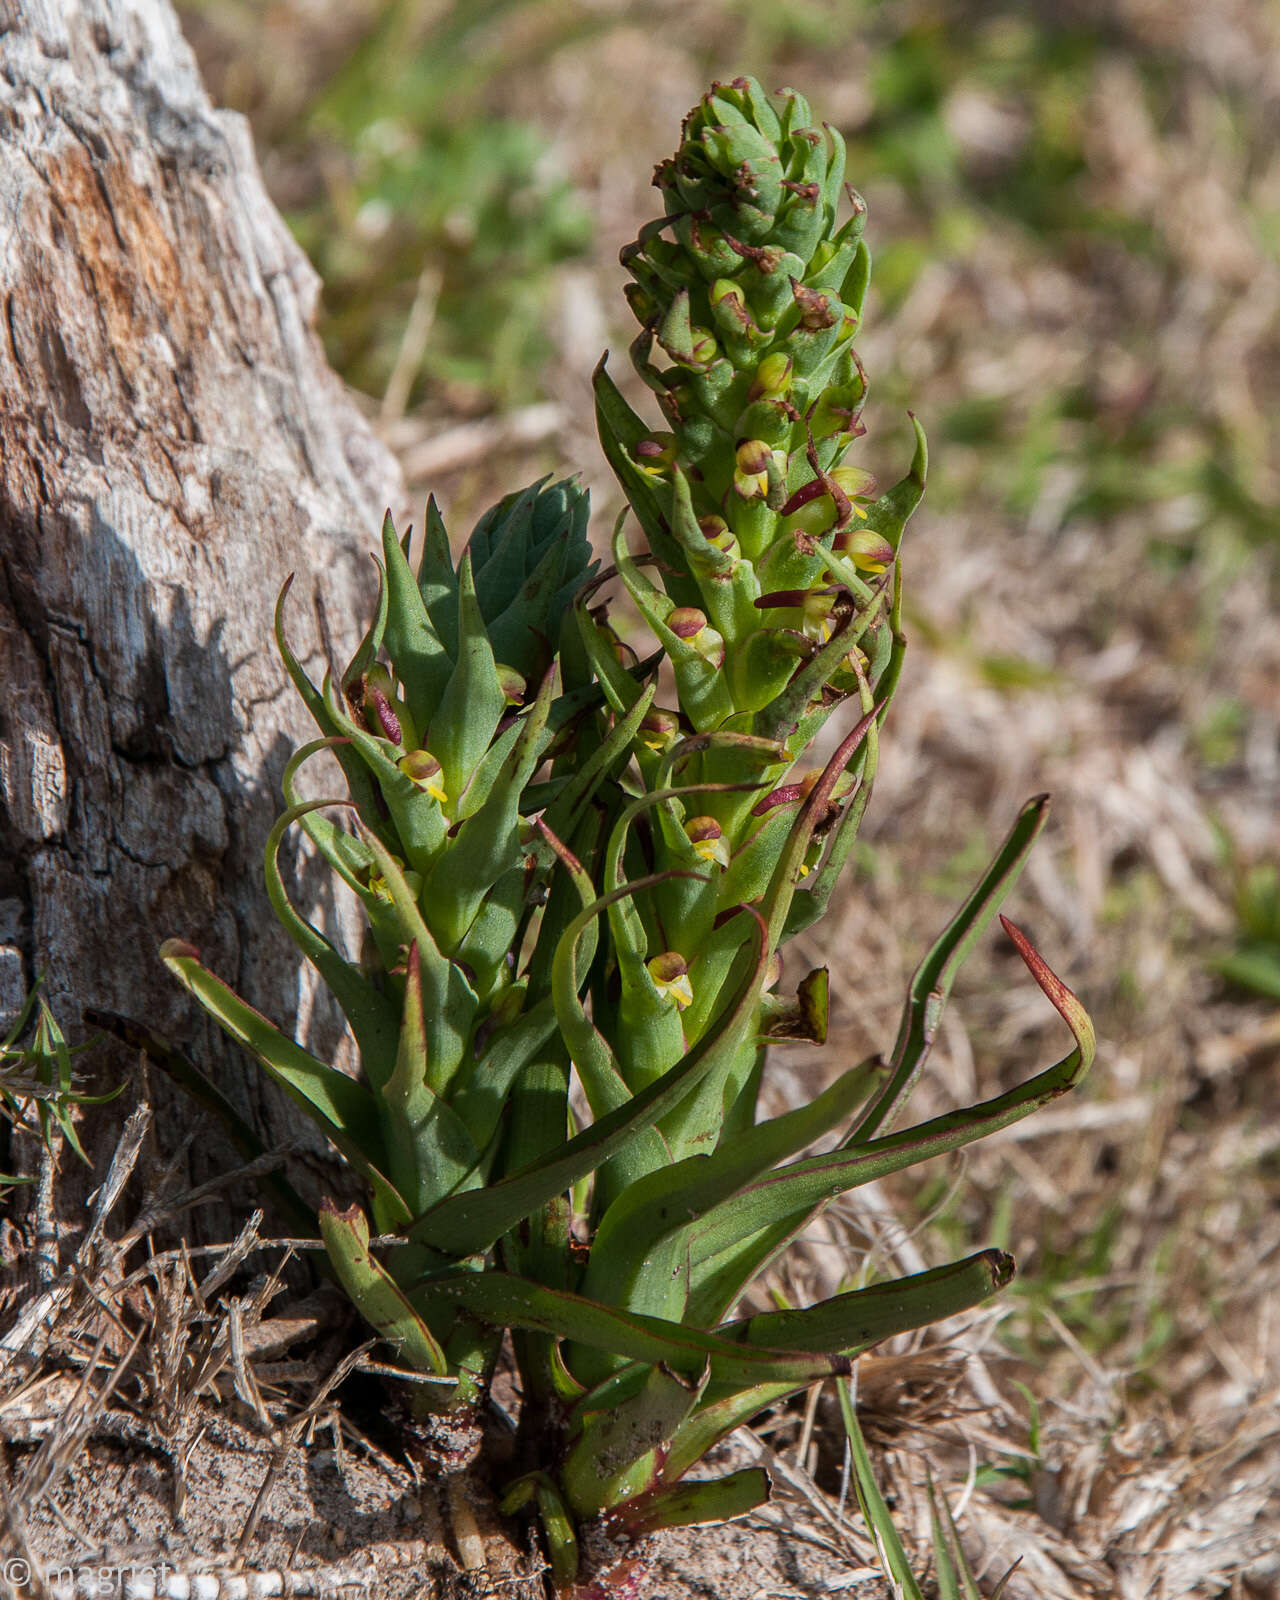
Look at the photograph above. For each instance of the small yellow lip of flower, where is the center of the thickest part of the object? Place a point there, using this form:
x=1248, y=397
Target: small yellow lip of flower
x=670, y=974
x=713, y=850
x=680, y=990
x=422, y=769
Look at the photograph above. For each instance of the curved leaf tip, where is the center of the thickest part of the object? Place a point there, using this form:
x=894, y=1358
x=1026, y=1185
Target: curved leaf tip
x=1056, y=992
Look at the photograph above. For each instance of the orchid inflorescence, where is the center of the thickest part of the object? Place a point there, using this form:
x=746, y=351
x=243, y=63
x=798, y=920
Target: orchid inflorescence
x=578, y=897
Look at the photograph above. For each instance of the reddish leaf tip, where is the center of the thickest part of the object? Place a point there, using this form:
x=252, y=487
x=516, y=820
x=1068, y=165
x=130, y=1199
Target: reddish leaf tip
x=1063, y=1000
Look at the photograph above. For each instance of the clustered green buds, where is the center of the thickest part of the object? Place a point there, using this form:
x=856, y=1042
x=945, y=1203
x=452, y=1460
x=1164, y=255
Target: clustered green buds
x=749, y=293
x=576, y=894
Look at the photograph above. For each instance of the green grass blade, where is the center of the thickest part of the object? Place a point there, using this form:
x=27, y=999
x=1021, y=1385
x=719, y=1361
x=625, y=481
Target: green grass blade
x=893, y=1558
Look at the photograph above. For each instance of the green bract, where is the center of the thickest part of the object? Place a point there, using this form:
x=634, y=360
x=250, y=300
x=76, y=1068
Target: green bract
x=569, y=886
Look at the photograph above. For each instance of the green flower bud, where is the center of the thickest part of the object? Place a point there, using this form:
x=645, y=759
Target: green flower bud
x=817, y=609
x=379, y=714
x=869, y=551
x=716, y=531
x=773, y=377
x=854, y=481
x=513, y=685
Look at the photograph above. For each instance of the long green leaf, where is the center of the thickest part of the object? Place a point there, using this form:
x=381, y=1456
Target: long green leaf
x=517, y=1303
x=473, y=1221
x=664, y=1203
x=359, y=780
x=933, y=978
x=343, y=1109
x=382, y=1303
x=417, y=653
x=487, y=844
x=449, y=1003
x=371, y=1015
x=864, y=1317
x=690, y=1504
x=471, y=706
x=431, y=1152
x=803, y=1185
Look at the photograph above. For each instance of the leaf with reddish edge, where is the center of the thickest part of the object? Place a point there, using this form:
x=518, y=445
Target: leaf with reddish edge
x=783, y=884
x=864, y=1317
x=620, y=1453
x=812, y=1183
x=1063, y=1001
x=502, y=1300
x=689, y=1504
x=933, y=978
x=468, y=1222
x=712, y=1422
x=381, y=1301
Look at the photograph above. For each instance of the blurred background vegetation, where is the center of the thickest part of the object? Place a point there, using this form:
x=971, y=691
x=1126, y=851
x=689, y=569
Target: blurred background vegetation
x=1074, y=219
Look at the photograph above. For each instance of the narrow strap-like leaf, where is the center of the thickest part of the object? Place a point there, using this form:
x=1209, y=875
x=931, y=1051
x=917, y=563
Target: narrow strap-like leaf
x=667, y=1201
x=465, y=719
x=449, y=1003
x=371, y=1016
x=343, y=1109
x=430, y=1149
x=359, y=780
x=864, y=1317
x=563, y=814
x=690, y=1504
x=933, y=978
x=711, y=1422
x=487, y=844
x=517, y=1303
x=819, y=1179
x=383, y=1304
x=421, y=661
x=474, y=1221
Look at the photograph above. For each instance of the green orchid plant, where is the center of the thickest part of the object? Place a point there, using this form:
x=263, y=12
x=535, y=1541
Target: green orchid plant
x=578, y=898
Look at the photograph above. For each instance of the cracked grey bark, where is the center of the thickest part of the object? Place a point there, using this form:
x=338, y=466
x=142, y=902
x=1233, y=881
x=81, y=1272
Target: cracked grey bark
x=172, y=444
